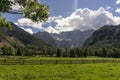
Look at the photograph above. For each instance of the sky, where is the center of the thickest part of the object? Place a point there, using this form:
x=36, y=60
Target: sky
x=69, y=15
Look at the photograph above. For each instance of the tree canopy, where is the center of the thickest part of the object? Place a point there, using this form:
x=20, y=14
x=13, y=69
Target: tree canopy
x=31, y=9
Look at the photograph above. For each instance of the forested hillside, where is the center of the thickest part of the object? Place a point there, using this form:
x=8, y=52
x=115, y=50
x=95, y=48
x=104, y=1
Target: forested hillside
x=16, y=41
x=105, y=42
x=107, y=36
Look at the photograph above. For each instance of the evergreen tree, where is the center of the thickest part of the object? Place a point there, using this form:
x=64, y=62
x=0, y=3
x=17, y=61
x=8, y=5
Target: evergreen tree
x=116, y=53
x=58, y=53
x=78, y=52
x=50, y=51
x=72, y=53
x=20, y=51
x=104, y=52
x=44, y=52
x=81, y=52
x=65, y=53
x=85, y=53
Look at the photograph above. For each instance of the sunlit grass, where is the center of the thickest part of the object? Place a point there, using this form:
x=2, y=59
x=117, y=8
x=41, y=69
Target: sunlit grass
x=101, y=71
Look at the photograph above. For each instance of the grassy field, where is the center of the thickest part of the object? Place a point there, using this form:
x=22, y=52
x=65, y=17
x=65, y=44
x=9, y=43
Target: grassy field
x=47, y=58
x=98, y=71
x=37, y=60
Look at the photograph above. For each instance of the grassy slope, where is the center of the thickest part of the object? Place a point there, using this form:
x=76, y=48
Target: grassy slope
x=107, y=71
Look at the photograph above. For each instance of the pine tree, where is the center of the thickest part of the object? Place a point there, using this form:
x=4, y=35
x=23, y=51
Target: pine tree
x=104, y=52
x=72, y=53
x=58, y=53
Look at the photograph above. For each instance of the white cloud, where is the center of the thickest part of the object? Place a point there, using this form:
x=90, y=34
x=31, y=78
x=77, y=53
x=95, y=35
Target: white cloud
x=109, y=8
x=117, y=10
x=50, y=29
x=81, y=19
x=27, y=22
x=84, y=19
x=118, y=2
x=29, y=30
x=15, y=7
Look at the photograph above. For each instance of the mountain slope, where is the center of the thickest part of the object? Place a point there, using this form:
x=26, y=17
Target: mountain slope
x=46, y=37
x=26, y=38
x=107, y=36
x=19, y=37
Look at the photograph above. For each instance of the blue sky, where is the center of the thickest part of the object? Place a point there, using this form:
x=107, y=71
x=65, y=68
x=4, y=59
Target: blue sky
x=65, y=9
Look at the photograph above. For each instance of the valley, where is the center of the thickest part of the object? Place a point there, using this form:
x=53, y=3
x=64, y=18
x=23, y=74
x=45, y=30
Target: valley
x=59, y=40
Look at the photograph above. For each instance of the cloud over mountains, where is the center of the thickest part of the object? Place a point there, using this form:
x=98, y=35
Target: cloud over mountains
x=118, y=2
x=81, y=19
x=117, y=9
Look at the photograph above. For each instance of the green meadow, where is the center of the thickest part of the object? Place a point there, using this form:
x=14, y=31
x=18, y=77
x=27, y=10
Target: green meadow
x=96, y=71
x=48, y=58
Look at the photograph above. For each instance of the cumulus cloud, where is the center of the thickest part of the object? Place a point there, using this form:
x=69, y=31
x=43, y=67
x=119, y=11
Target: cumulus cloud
x=81, y=19
x=118, y=2
x=29, y=23
x=117, y=10
x=85, y=19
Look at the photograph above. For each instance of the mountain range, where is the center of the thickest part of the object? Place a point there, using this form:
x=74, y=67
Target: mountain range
x=65, y=39
x=107, y=36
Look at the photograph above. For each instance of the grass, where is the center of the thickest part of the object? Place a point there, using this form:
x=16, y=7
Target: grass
x=99, y=71
x=47, y=58
x=57, y=58
x=34, y=60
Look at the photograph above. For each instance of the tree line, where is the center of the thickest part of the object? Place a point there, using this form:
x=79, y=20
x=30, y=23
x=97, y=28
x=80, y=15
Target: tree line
x=104, y=52
x=60, y=52
x=47, y=51
x=85, y=52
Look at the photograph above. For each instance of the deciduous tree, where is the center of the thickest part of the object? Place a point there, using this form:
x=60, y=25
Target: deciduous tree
x=31, y=9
